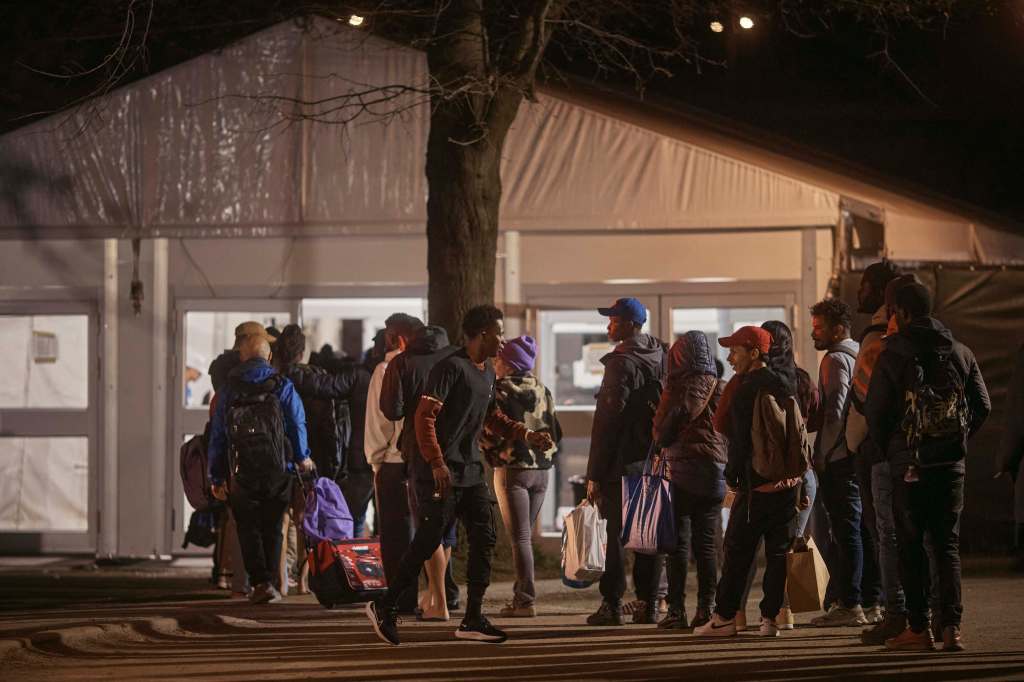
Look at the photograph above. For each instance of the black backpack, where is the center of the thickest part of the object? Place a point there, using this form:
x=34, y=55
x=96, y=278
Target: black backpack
x=255, y=421
x=936, y=412
x=638, y=417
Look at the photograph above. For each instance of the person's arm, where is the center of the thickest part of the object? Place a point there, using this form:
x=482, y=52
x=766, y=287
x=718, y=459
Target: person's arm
x=604, y=436
x=835, y=382
x=977, y=394
x=217, y=447
x=551, y=418
x=880, y=405
x=666, y=419
x=294, y=420
x=333, y=385
x=392, y=396
x=379, y=432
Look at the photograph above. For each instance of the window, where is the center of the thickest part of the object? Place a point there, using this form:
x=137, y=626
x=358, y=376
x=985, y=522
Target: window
x=44, y=484
x=721, y=322
x=45, y=361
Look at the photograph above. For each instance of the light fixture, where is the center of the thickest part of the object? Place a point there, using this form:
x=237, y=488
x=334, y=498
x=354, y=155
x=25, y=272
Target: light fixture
x=709, y=280
x=716, y=27
x=746, y=23
x=355, y=20
x=625, y=281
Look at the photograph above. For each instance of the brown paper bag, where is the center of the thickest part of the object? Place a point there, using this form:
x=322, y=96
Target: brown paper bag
x=806, y=577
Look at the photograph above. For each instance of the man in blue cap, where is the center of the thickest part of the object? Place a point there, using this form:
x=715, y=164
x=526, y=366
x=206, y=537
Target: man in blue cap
x=620, y=440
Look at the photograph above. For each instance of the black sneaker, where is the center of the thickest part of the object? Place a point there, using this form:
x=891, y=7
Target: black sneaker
x=675, y=619
x=646, y=614
x=480, y=630
x=607, y=614
x=702, y=617
x=384, y=621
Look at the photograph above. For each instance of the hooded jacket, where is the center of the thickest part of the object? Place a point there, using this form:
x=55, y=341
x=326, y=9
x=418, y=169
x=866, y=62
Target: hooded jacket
x=255, y=371
x=613, y=443
x=928, y=342
x=694, y=454
x=739, y=421
x=523, y=399
x=406, y=379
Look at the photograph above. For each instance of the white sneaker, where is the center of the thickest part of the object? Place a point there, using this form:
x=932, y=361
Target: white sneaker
x=768, y=628
x=874, y=615
x=717, y=627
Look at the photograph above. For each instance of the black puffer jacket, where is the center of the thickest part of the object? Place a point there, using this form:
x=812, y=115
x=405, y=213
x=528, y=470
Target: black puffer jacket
x=613, y=442
x=406, y=379
x=928, y=344
x=740, y=421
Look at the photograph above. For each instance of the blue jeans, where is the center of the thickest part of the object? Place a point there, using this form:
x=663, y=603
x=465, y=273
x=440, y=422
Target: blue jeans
x=888, y=550
x=841, y=495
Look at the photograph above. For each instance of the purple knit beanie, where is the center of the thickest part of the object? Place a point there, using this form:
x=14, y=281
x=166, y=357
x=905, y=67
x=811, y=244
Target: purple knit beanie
x=520, y=353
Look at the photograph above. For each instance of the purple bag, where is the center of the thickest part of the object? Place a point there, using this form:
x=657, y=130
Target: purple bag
x=327, y=516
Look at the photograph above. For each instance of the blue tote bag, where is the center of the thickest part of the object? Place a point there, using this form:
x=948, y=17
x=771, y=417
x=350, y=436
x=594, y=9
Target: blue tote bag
x=648, y=519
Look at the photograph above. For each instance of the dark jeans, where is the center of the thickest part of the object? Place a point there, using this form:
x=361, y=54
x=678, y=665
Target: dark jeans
x=258, y=514
x=755, y=516
x=613, y=581
x=871, y=576
x=932, y=505
x=357, y=488
x=695, y=523
x=395, y=524
x=474, y=507
x=888, y=549
x=841, y=496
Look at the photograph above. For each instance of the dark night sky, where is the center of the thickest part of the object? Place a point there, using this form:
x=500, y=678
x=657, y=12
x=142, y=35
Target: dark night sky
x=823, y=93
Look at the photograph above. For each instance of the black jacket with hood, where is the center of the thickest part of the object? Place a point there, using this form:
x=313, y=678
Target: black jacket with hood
x=928, y=344
x=740, y=421
x=406, y=379
x=613, y=443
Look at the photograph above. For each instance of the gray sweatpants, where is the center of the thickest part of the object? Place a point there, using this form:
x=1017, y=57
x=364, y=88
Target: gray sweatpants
x=520, y=494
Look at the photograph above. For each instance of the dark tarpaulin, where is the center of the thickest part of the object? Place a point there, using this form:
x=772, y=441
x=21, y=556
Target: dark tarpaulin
x=984, y=308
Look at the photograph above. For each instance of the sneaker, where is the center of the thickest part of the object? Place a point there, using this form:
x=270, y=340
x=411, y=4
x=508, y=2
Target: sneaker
x=384, y=621
x=675, y=619
x=768, y=628
x=265, y=593
x=887, y=629
x=785, y=620
x=840, y=616
x=702, y=617
x=510, y=610
x=908, y=640
x=951, y=638
x=480, y=630
x=936, y=628
x=606, y=614
x=647, y=614
x=717, y=627
x=874, y=614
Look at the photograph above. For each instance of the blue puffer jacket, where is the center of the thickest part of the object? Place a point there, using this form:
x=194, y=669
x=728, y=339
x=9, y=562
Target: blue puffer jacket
x=255, y=371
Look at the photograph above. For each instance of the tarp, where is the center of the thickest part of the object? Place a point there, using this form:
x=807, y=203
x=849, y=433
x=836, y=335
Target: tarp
x=213, y=147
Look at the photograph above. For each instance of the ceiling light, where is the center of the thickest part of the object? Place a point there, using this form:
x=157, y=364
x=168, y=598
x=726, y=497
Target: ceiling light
x=708, y=280
x=355, y=20
x=716, y=26
x=746, y=23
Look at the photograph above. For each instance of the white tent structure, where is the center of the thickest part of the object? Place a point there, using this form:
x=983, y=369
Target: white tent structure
x=243, y=213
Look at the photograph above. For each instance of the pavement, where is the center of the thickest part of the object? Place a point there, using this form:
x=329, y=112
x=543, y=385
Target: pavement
x=72, y=620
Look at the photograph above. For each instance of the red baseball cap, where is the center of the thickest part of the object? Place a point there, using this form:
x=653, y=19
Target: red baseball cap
x=750, y=337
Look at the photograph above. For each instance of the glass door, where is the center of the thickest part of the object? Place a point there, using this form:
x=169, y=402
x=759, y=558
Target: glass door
x=49, y=427
x=204, y=330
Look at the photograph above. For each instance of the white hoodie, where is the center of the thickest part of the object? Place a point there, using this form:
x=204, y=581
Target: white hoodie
x=380, y=442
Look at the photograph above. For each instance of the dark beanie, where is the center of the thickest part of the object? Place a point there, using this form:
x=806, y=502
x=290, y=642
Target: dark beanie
x=520, y=353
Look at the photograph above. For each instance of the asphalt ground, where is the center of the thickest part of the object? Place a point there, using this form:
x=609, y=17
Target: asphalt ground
x=70, y=621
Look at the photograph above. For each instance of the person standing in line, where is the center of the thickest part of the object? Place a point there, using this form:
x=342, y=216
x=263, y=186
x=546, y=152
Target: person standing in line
x=694, y=455
x=458, y=401
x=382, y=451
x=619, y=441
x=520, y=471
x=831, y=320
x=762, y=510
x=927, y=397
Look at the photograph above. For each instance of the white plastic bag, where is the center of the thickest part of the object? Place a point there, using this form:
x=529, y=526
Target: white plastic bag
x=584, y=543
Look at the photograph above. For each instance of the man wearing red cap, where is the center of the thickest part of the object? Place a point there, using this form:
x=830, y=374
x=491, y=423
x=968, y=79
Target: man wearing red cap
x=762, y=508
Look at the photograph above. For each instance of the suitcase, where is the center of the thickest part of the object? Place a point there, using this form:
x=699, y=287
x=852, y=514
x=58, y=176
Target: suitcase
x=346, y=571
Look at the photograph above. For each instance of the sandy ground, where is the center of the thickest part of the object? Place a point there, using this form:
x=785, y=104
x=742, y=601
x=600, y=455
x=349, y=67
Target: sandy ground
x=61, y=622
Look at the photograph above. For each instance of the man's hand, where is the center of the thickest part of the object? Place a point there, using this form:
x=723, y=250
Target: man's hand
x=540, y=440
x=306, y=466
x=219, y=491
x=593, y=492
x=442, y=481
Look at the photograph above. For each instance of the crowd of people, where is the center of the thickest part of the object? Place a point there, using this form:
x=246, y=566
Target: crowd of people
x=886, y=428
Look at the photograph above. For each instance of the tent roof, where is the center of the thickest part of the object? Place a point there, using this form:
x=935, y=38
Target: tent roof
x=199, y=150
